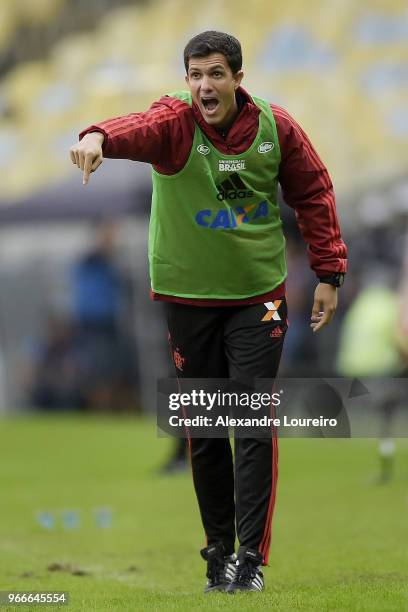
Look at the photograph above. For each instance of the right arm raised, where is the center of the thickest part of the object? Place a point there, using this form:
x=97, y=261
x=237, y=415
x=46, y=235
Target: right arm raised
x=161, y=136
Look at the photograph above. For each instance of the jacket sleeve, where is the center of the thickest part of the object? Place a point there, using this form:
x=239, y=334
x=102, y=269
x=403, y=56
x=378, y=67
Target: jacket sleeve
x=158, y=136
x=308, y=189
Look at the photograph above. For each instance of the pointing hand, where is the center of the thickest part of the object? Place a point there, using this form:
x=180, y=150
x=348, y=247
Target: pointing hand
x=87, y=154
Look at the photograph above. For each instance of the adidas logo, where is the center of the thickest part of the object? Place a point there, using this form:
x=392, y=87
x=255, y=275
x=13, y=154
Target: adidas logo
x=277, y=332
x=233, y=188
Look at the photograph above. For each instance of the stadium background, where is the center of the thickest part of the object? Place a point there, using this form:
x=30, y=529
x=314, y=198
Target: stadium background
x=341, y=69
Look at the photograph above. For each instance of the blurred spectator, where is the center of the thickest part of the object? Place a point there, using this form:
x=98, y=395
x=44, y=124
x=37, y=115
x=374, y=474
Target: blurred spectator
x=97, y=286
x=368, y=340
x=177, y=460
x=52, y=374
x=102, y=295
x=369, y=348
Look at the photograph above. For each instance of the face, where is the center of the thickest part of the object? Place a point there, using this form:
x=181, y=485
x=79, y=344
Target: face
x=213, y=86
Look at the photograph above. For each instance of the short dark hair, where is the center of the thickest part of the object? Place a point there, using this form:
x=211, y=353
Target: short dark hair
x=215, y=42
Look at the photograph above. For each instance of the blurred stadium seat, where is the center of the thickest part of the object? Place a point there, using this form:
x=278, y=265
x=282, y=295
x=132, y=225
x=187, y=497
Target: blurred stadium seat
x=339, y=67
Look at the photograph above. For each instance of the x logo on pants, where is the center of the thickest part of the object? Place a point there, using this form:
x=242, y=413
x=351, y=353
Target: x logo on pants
x=272, y=311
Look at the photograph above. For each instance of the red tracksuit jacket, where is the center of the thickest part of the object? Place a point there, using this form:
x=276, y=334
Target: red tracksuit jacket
x=163, y=136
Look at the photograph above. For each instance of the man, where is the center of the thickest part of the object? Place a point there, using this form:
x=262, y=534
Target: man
x=217, y=259
x=100, y=304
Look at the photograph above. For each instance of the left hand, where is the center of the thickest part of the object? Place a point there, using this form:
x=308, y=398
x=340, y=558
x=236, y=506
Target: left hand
x=324, y=306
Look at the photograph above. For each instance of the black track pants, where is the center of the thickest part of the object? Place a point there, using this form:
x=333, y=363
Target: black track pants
x=243, y=343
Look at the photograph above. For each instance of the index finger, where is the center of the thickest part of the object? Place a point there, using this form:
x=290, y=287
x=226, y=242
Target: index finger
x=87, y=169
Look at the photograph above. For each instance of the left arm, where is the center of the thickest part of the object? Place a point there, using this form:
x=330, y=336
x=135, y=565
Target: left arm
x=308, y=189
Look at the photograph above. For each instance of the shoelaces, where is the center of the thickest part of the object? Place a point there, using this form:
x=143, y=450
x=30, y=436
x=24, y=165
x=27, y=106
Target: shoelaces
x=216, y=570
x=245, y=573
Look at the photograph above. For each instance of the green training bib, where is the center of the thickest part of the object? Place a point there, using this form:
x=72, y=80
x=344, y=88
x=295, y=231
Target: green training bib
x=215, y=228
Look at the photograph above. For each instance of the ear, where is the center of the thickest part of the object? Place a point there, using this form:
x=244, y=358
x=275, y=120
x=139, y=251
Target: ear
x=186, y=79
x=238, y=76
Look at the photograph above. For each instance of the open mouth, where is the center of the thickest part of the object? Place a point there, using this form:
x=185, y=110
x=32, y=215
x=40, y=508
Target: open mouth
x=210, y=104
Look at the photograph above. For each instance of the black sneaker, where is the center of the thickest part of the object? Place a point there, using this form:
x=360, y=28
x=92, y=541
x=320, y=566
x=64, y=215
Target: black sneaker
x=248, y=575
x=220, y=567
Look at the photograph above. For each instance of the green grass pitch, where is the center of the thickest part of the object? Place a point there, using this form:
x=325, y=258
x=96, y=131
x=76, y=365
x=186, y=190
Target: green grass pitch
x=339, y=542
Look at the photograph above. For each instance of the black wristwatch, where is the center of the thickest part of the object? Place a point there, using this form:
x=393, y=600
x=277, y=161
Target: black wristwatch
x=336, y=279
